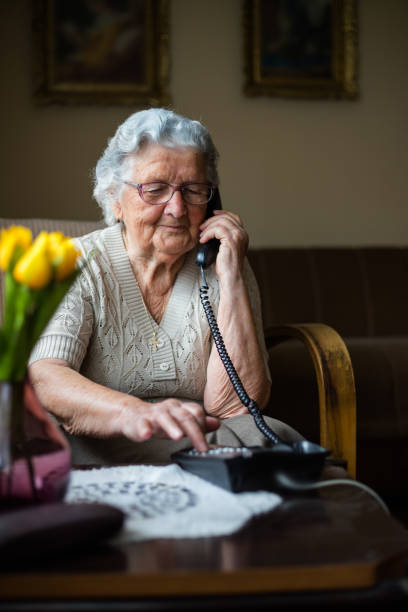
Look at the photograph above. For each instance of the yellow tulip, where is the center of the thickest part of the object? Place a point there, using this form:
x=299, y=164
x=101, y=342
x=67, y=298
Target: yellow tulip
x=34, y=268
x=11, y=238
x=64, y=257
x=54, y=240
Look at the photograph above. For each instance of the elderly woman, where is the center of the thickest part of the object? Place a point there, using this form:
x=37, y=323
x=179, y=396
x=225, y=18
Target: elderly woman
x=127, y=365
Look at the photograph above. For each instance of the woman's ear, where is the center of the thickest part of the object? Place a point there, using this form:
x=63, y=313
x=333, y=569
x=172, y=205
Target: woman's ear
x=117, y=209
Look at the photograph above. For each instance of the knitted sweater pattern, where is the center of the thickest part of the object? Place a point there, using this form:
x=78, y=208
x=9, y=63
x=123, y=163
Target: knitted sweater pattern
x=102, y=329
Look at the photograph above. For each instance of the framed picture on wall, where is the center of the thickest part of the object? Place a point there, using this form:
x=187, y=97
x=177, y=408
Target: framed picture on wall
x=101, y=52
x=301, y=48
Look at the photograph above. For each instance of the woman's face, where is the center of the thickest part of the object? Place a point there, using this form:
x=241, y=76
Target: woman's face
x=171, y=228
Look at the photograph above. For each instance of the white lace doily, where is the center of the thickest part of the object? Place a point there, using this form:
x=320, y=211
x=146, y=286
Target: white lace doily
x=167, y=502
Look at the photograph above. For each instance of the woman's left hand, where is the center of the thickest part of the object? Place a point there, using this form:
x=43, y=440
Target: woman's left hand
x=235, y=321
x=229, y=229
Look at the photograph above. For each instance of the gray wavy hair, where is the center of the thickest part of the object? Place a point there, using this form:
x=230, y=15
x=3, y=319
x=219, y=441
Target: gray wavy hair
x=155, y=125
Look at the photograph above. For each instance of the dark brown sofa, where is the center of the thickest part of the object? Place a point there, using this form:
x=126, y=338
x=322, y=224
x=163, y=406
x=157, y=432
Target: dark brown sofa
x=363, y=294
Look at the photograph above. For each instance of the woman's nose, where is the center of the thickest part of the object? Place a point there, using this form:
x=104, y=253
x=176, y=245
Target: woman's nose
x=176, y=205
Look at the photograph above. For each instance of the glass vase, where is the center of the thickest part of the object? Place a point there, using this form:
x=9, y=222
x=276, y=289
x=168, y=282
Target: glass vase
x=35, y=457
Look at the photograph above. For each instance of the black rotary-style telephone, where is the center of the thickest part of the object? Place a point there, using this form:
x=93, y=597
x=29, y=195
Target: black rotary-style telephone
x=280, y=466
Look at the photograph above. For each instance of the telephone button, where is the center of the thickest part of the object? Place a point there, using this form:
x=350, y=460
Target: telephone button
x=164, y=366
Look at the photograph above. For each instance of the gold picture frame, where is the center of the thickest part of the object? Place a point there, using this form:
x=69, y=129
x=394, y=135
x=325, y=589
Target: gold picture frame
x=299, y=49
x=105, y=52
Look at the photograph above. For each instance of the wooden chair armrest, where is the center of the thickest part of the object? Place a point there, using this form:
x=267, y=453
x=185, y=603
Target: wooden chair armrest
x=335, y=382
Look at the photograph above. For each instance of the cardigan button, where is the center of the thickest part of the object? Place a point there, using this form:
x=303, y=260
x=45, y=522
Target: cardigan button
x=164, y=366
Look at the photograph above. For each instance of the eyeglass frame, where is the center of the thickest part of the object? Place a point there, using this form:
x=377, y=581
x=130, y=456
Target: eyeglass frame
x=139, y=187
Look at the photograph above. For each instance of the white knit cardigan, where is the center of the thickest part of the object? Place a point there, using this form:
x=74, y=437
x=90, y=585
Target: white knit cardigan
x=102, y=329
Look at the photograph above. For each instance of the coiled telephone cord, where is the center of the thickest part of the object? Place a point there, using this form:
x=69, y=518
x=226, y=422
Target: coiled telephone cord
x=229, y=366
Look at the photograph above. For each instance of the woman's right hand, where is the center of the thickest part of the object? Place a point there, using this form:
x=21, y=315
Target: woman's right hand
x=171, y=418
x=86, y=408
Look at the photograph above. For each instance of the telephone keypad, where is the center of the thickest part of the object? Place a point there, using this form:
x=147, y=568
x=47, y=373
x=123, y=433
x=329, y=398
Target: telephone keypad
x=222, y=452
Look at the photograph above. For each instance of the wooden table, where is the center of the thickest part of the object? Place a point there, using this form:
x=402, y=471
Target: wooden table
x=334, y=546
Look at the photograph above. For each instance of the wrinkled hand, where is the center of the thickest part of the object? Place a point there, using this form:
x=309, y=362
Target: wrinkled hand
x=229, y=229
x=172, y=419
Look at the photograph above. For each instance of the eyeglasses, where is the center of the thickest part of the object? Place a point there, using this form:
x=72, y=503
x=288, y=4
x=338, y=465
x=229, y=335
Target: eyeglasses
x=160, y=192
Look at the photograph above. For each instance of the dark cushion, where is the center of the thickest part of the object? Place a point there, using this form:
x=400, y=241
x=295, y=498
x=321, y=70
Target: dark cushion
x=358, y=291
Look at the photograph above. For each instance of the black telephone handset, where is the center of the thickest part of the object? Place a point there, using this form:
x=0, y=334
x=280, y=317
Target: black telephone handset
x=281, y=466
x=207, y=253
